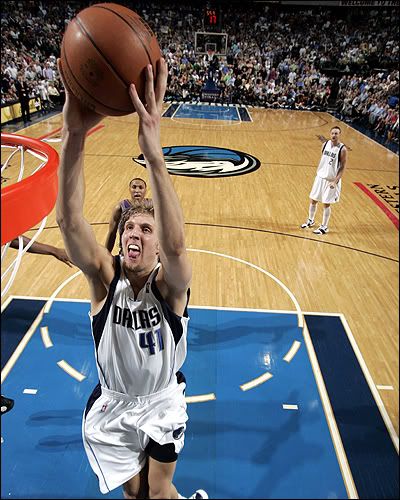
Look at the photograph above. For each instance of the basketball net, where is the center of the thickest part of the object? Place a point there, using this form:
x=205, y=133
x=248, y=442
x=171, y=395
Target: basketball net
x=11, y=152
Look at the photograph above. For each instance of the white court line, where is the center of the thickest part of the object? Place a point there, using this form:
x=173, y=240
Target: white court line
x=292, y=351
x=248, y=112
x=166, y=111
x=372, y=386
x=46, y=337
x=201, y=398
x=256, y=381
x=330, y=418
x=237, y=112
x=174, y=113
x=49, y=303
x=30, y=391
x=6, y=303
x=71, y=370
x=50, y=139
x=290, y=407
x=285, y=288
x=385, y=387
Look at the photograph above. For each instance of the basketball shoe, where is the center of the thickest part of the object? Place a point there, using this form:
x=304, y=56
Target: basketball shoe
x=309, y=223
x=321, y=230
x=199, y=495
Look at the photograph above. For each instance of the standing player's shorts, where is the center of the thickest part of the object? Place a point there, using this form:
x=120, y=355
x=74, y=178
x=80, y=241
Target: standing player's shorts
x=117, y=429
x=321, y=191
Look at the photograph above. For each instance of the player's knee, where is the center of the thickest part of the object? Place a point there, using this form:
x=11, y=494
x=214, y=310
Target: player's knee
x=131, y=492
x=129, y=495
x=160, y=491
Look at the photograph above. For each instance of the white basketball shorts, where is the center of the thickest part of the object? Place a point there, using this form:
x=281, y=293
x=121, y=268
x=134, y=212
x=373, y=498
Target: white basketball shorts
x=117, y=428
x=321, y=191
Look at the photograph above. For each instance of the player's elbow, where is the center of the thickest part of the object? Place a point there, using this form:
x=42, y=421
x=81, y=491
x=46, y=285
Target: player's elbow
x=176, y=250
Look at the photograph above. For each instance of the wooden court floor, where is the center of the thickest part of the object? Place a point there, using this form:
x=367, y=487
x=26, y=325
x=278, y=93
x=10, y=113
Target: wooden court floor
x=256, y=218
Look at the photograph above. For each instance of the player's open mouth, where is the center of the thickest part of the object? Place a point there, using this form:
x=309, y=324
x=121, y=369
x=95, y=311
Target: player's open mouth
x=133, y=251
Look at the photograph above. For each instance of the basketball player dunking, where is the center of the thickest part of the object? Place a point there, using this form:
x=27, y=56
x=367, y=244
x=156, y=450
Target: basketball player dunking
x=135, y=420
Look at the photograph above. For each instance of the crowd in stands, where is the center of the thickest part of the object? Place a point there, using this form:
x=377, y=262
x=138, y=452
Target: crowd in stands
x=31, y=34
x=322, y=58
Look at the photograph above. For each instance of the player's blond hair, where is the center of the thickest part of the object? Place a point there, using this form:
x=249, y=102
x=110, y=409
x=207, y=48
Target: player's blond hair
x=144, y=207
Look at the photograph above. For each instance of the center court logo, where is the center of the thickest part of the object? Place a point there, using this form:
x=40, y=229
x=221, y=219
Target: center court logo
x=205, y=161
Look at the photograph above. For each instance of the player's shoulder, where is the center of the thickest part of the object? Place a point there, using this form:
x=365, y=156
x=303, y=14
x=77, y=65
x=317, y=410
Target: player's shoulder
x=117, y=207
x=125, y=204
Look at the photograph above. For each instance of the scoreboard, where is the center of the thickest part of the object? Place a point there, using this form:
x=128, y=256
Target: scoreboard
x=211, y=17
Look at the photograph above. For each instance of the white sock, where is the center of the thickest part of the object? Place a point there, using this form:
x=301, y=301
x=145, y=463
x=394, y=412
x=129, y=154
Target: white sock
x=312, y=210
x=326, y=215
x=180, y=496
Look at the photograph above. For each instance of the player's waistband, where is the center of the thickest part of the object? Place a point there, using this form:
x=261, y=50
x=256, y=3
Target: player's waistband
x=140, y=399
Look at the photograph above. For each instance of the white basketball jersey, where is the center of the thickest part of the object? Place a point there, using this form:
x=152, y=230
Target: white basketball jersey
x=140, y=343
x=329, y=164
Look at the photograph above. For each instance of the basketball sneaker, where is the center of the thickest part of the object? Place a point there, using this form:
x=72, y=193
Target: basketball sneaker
x=321, y=230
x=6, y=404
x=199, y=494
x=309, y=223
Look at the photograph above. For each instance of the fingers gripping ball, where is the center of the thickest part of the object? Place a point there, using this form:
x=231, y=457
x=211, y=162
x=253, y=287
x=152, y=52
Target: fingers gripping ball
x=105, y=48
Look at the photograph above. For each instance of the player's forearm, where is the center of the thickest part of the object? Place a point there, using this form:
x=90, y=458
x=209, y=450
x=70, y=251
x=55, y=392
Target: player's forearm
x=167, y=208
x=35, y=247
x=339, y=174
x=71, y=184
x=38, y=248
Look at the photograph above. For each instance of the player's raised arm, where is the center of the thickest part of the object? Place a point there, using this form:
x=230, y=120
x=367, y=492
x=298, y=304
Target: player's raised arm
x=167, y=209
x=77, y=233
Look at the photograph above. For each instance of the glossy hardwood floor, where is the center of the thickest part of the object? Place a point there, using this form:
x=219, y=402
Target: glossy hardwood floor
x=256, y=217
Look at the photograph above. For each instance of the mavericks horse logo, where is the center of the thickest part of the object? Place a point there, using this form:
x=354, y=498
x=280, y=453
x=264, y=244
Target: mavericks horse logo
x=205, y=161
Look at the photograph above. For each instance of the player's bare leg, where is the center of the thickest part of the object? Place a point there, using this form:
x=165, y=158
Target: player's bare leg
x=138, y=487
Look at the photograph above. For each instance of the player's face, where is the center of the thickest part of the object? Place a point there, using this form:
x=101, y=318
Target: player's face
x=335, y=135
x=139, y=243
x=137, y=189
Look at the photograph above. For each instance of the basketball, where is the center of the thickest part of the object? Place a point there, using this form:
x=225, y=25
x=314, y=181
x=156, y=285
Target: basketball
x=105, y=48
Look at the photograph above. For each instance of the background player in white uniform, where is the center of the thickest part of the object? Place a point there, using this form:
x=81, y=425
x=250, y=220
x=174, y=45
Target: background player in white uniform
x=134, y=422
x=327, y=184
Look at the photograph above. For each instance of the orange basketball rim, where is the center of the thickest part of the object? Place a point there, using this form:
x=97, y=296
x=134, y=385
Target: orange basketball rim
x=25, y=203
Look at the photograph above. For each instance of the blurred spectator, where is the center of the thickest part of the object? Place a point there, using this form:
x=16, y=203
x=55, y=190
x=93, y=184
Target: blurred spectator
x=53, y=94
x=23, y=97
